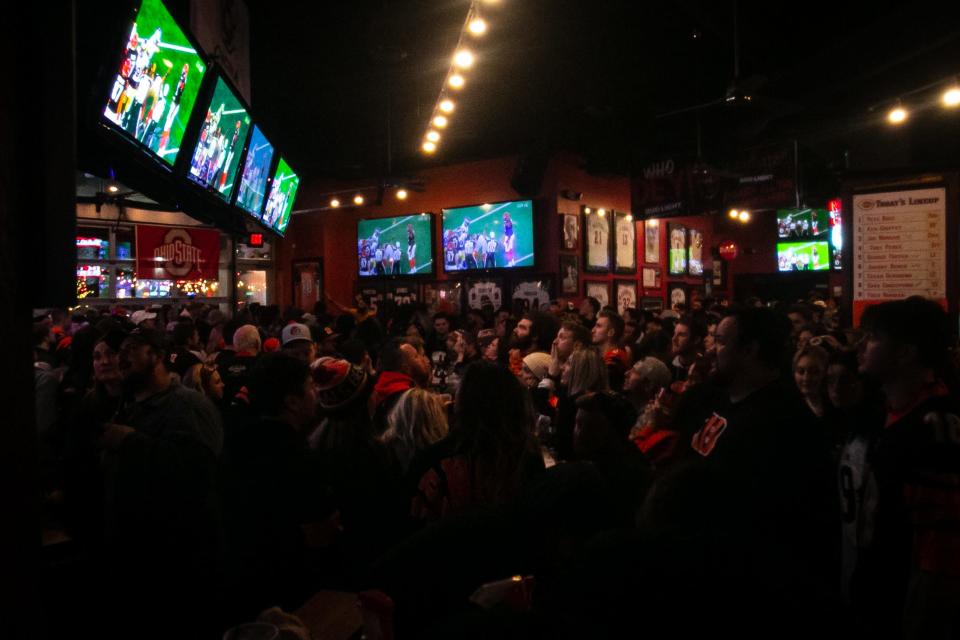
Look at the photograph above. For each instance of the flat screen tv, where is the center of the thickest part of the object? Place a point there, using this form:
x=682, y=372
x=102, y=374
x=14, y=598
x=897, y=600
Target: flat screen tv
x=395, y=246
x=256, y=170
x=488, y=236
x=155, y=88
x=283, y=192
x=802, y=224
x=803, y=256
x=216, y=156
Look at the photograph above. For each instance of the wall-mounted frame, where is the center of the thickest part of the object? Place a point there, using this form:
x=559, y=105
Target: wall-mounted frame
x=651, y=278
x=651, y=241
x=626, y=295
x=625, y=243
x=446, y=295
x=487, y=292
x=599, y=290
x=652, y=304
x=695, y=252
x=678, y=293
x=569, y=275
x=596, y=240
x=570, y=233
x=678, y=249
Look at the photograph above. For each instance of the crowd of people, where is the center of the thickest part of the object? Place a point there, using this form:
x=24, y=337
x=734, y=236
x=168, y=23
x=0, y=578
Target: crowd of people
x=747, y=468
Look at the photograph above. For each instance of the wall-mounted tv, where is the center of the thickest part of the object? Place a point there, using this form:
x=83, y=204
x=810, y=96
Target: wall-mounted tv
x=488, y=236
x=395, y=246
x=813, y=225
x=256, y=171
x=283, y=192
x=155, y=88
x=803, y=256
x=216, y=156
x=802, y=224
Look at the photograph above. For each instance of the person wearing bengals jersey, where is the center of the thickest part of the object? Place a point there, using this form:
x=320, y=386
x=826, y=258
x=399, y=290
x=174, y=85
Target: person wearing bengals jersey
x=751, y=444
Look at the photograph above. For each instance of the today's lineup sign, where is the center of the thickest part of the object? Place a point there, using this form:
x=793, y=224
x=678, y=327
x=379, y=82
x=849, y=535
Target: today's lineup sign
x=900, y=247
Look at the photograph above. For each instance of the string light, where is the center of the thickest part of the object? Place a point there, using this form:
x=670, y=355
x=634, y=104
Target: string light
x=358, y=199
x=433, y=136
x=401, y=194
x=951, y=97
x=744, y=216
x=734, y=214
x=464, y=59
x=334, y=203
x=897, y=115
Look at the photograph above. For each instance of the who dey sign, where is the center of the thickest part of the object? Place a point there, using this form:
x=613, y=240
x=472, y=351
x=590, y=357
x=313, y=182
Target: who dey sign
x=177, y=253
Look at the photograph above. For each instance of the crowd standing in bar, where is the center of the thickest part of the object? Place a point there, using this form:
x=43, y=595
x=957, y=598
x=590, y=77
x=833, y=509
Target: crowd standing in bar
x=753, y=468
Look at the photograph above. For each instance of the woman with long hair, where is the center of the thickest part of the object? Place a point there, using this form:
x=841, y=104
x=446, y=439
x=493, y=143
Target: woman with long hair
x=490, y=453
x=417, y=420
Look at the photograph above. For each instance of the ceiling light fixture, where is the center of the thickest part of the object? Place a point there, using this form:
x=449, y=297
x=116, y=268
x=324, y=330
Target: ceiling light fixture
x=464, y=59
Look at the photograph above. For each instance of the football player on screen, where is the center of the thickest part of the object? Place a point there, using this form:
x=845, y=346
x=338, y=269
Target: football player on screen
x=509, y=239
x=411, y=249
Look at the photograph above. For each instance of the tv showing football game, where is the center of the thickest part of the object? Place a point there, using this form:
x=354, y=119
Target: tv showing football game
x=395, y=246
x=803, y=256
x=256, y=170
x=283, y=191
x=803, y=224
x=216, y=157
x=488, y=236
x=155, y=89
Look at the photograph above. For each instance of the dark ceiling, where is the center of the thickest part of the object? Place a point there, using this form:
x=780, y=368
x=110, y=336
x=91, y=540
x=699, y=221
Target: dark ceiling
x=331, y=79
x=589, y=76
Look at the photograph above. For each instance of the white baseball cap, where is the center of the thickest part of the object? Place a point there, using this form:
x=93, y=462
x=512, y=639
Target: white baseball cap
x=139, y=316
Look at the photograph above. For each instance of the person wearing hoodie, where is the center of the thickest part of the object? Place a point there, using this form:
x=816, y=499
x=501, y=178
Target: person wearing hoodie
x=403, y=366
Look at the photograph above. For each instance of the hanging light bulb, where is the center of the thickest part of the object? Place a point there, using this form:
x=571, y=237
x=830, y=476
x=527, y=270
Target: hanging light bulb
x=463, y=59
x=429, y=147
x=433, y=136
x=744, y=217
x=951, y=97
x=734, y=214
x=456, y=81
x=334, y=203
x=401, y=194
x=897, y=115
x=447, y=106
x=440, y=122
x=478, y=26
x=358, y=199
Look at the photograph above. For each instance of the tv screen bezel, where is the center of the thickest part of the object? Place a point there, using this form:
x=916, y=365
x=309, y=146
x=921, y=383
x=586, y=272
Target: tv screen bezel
x=106, y=82
x=215, y=74
x=429, y=273
x=515, y=269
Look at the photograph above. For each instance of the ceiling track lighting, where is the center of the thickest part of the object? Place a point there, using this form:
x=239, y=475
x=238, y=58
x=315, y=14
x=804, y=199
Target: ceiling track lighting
x=463, y=59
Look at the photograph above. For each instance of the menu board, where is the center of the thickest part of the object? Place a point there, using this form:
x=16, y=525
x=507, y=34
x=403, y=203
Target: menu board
x=900, y=247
